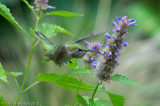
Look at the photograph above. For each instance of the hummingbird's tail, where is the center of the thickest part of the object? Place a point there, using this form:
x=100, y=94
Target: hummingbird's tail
x=44, y=40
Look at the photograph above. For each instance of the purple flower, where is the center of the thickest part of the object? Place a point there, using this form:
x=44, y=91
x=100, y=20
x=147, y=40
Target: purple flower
x=119, y=19
x=42, y=5
x=110, y=54
x=132, y=23
x=108, y=36
x=90, y=57
x=116, y=55
x=118, y=29
x=124, y=44
x=114, y=23
x=51, y=7
x=109, y=58
x=130, y=20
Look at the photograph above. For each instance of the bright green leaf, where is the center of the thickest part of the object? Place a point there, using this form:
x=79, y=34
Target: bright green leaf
x=79, y=71
x=96, y=102
x=14, y=74
x=73, y=64
x=2, y=74
x=117, y=100
x=102, y=103
x=91, y=102
x=46, y=60
x=64, y=13
x=81, y=100
x=5, y=12
x=123, y=79
x=66, y=82
x=101, y=88
x=3, y=102
x=50, y=30
x=62, y=30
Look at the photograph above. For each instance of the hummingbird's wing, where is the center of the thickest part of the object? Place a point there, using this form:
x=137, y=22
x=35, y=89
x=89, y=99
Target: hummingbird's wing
x=47, y=45
x=90, y=35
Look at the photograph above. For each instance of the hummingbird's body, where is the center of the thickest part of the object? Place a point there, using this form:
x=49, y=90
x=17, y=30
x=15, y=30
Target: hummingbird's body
x=62, y=53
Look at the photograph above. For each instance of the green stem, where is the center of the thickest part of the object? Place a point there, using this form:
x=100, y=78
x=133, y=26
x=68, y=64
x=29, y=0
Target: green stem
x=17, y=83
x=35, y=83
x=77, y=90
x=29, y=62
x=95, y=91
x=29, y=6
x=25, y=77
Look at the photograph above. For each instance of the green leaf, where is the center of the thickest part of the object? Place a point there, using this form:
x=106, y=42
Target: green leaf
x=102, y=103
x=46, y=60
x=3, y=102
x=91, y=102
x=2, y=74
x=50, y=30
x=64, y=13
x=101, y=88
x=5, y=12
x=81, y=100
x=117, y=100
x=79, y=71
x=123, y=79
x=96, y=101
x=66, y=82
x=14, y=74
x=62, y=30
x=73, y=64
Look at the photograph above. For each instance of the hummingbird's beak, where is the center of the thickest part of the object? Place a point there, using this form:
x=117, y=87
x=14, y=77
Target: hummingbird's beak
x=93, y=51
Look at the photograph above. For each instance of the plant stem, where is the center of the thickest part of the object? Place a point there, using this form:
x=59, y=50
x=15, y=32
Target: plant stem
x=35, y=83
x=29, y=6
x=77, y=90
x=29, y=62
x=25, y=77
x=17, y=83
x=95, y=91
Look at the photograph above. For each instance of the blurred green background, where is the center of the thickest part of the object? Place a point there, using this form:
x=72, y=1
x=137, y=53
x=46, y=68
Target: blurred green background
x=140, y=61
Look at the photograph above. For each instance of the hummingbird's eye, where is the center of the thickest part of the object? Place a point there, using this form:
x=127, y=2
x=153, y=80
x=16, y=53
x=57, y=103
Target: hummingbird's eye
x=79, y=49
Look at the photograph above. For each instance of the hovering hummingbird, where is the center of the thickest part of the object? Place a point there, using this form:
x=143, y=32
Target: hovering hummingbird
x=64, y=52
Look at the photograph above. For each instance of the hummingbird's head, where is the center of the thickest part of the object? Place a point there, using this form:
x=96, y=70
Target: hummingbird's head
x=78, y=53
x=77, y=50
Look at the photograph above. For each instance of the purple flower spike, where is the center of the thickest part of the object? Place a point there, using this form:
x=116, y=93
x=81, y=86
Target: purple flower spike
x=108, y=58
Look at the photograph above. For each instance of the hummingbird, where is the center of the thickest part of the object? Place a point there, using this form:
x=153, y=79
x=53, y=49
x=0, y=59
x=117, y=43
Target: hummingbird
x=63, y=52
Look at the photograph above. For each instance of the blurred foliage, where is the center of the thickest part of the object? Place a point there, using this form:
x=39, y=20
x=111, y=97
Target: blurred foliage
x=139, y=61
